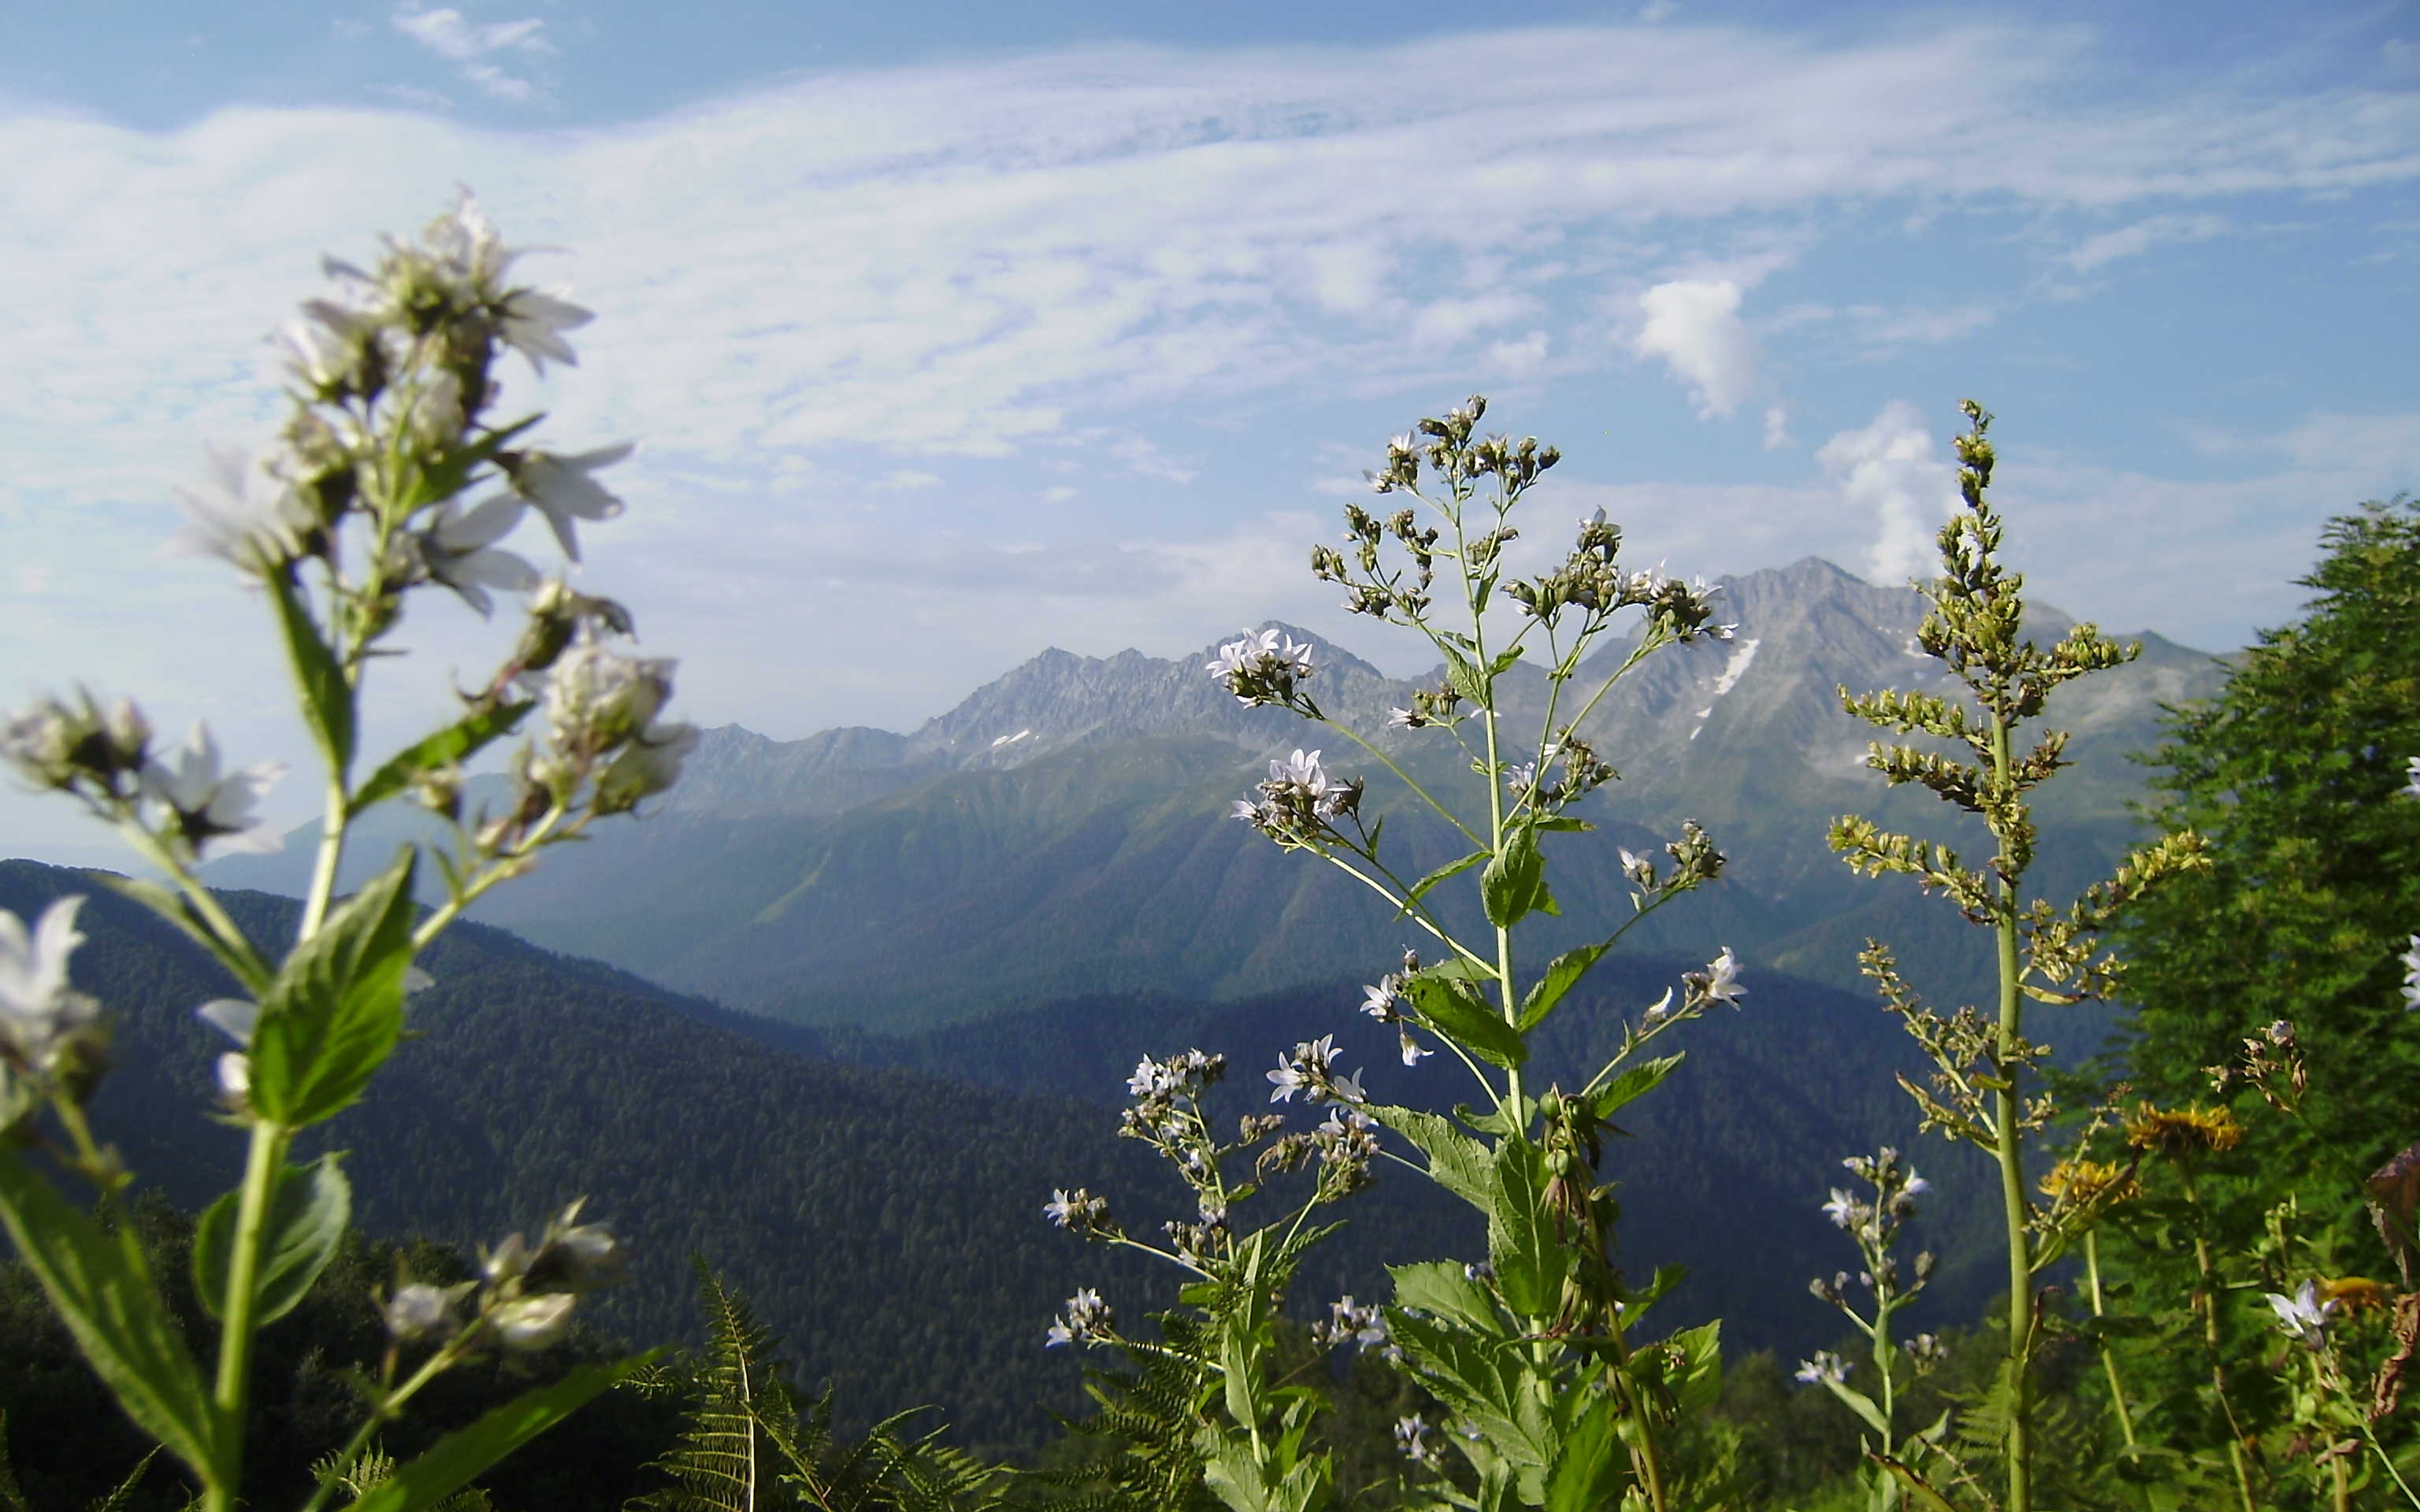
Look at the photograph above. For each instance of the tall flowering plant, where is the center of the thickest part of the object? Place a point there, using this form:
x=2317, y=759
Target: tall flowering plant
x=1985, y=1089
x=359, y=507
x=1550, y=1399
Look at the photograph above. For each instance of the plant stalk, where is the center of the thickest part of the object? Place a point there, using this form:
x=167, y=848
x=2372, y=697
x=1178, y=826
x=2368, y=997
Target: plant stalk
x=239, y=1307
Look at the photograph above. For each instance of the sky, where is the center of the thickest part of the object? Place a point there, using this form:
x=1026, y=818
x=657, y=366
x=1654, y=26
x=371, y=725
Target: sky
x=948, y=333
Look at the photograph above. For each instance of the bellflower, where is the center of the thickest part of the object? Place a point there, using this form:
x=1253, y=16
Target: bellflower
x=210, y=806
x=39, y=1013
x=244, y=515
x=560, y=488
x=1825, y=1367
x=2303, y=1317
x=458, y=549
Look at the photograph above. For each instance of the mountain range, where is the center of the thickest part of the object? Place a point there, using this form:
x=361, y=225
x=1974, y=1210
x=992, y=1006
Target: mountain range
x=1063, y=831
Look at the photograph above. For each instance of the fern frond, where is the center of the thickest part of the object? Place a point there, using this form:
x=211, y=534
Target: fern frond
x=724, y=1461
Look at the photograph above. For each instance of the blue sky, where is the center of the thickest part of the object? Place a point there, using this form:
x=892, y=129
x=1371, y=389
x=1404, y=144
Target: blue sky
x=950, y=332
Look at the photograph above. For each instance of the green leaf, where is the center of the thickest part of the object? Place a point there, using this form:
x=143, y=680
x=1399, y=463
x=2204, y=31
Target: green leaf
x=327, y=697
x=1504, y=659
x=1451, y=869
x=1443, y=1287
x=1562, y=973
x=1463, y=675
x=332, y=1015
x=1697, y=1384
x=1564, y=822
x=1456, y=1161
x=1531, y=1262
x=1924, y=1496
x=1632, y=1084
x=464, y=737
x=307, y=1217
x=1489, y=1382
x=1515, y=877
x=1587, y=1472
x=451, y=1463
x=104, y=1295
x=1860, y=1404
x=1455, y=1009
x=1460, y=968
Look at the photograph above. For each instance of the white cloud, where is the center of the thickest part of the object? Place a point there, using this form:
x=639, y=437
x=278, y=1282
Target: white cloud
x=1517, y=359
x=906, y=479
x=1694, y=325
x=1886, y=471
x=1776, y=428
x=455, y=38
x=2134, y=240
x=1057, y=494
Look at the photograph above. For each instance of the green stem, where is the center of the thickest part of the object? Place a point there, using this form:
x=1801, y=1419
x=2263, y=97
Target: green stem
x=2207, y=1268
x=2108, y=1355
x=221, y=939
x=1389, y=761
x=2388, y=1460
x=323, y=870
x=1645, y=1461
x=385, y=1411
x=2007, y=1109
x=238, y=1309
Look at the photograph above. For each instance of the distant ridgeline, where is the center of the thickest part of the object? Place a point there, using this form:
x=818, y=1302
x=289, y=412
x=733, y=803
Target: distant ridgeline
x=886, y=1216
x=1063, y=831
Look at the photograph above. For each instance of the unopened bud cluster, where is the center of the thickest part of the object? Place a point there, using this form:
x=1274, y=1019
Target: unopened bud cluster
x=524, y=1297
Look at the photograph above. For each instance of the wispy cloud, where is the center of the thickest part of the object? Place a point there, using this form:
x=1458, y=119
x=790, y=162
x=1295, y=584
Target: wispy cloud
x=474, y=47
x=2135, y=240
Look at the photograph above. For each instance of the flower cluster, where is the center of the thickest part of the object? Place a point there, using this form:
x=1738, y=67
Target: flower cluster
x=1264, y=667
x=1351, y=1322
x=188, y=798
x=1583, y=772
x=2271, y=1063
x=1592, y=579
x=525, y=1292
x=1825, y=1367
x=1311, y=1069
x=1412, y=1438
x=1079, y=1210
x=1719, y=983
x=1301, y=801
x=1087, y=1319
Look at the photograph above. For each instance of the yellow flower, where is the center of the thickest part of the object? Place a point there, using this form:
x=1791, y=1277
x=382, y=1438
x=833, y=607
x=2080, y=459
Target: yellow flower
x=2174, y=1132
x=2083, y=1182
x=2355, y=1293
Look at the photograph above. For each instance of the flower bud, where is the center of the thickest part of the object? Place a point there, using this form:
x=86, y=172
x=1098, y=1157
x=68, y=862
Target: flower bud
x=534, y=1322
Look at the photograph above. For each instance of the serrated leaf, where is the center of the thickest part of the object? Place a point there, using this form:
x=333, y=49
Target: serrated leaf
x=1462, y=674
x=1445, y=1289
x=1458, y=1163
x=335, y=1011
x=1467, y=1020
x=452, y=1462
x=1587, y=1472
x=1632, y=1084
x=1562, y=974
x=106, y=1299
x=1531, y=1262
x=308, y=1214
x=1451, y=869
x=466, y=736
x=1515, y=876
x=245, y=966
x=327, y=697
